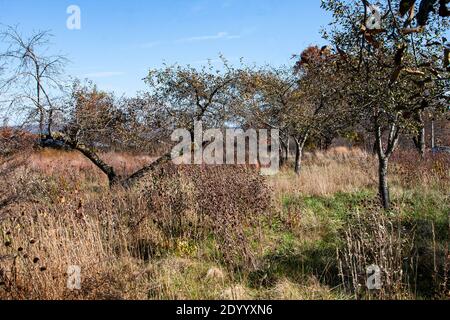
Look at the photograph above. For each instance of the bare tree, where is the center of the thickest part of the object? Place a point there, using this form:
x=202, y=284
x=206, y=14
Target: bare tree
x=33, y=94
x=31, y=80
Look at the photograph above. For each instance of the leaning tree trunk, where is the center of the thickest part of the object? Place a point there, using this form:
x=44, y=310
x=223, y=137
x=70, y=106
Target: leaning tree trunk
x=109, y=171
x=113, y=178
x=131, y=180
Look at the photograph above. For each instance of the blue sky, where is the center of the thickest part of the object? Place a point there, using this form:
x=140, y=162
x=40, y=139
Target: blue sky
x=120, y=40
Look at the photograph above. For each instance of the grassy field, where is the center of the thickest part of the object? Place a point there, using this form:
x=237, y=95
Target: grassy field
x=224, y=233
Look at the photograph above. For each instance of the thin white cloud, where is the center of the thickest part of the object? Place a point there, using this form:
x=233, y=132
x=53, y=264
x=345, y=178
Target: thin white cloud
x=105, y=74
x=220, y=35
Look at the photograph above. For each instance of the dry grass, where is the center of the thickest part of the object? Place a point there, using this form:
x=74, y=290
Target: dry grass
x=41, y=239
x=119, y=237
x=181, y=234
x=327, y=173
x=312, y=289
x=55, y=162
x=374, y=239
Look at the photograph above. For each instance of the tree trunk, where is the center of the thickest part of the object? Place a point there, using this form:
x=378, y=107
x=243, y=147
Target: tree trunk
x=95, y=159
x=113, y=178
x=328, y=141
x=383, y=183
x=142, y=172
x=288, y=149
x=282, y=159
x=283, y=153
x=299, y=146
x=383, y=160
x=433, y=136
x=38, y=103
x=375, y=148
x=419, y=142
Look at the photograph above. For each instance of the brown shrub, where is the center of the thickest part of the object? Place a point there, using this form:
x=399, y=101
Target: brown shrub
x=412, y=169
x=13, y=141
x=193, y=202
